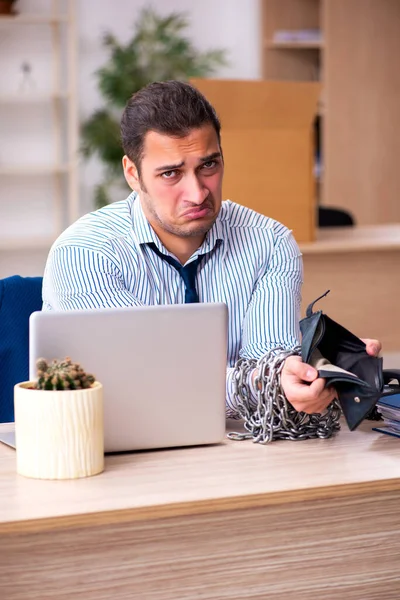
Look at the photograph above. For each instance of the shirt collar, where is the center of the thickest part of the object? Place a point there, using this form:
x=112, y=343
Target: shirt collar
x=146, y=234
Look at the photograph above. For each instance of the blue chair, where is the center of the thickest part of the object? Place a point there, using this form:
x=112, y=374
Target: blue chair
x=19, y=297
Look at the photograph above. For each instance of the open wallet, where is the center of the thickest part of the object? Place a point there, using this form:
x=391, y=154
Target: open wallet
x=340, y=357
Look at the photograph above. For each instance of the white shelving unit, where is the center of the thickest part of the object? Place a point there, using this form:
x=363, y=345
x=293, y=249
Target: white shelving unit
x=308, y=45
x=32, y=99
x=36, y=19
x=32, y=170
x=57, y=106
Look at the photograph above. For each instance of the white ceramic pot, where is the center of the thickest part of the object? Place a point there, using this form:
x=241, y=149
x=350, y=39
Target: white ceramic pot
x=59, y=434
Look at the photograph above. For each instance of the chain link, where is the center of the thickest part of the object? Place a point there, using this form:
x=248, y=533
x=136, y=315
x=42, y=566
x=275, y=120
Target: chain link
x=274, y=418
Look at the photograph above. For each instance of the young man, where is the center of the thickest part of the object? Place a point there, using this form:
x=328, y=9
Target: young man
x=174, y=240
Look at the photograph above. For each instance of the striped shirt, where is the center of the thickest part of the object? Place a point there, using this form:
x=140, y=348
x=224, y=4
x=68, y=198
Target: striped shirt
x=252, y=264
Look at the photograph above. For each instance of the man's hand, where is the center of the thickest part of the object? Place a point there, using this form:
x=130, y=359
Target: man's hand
x=303, y=388
x=373, y=347
x=306, y=391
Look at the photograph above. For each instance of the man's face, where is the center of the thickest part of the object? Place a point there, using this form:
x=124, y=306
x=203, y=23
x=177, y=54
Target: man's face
x=180, y=184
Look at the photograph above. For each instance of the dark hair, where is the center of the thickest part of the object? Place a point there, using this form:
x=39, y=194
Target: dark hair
x=169, y=107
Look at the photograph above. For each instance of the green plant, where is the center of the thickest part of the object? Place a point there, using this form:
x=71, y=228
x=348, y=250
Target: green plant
x=61, y=375
x=158, y=51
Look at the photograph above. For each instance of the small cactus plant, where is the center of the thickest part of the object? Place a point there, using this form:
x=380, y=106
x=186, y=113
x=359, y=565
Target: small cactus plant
x=62, y=375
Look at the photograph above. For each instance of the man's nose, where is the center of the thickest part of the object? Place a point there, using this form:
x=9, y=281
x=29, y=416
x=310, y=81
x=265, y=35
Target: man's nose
x=195, y=192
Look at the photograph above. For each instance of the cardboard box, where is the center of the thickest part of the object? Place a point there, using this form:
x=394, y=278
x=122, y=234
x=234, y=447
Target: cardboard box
x=268, y=145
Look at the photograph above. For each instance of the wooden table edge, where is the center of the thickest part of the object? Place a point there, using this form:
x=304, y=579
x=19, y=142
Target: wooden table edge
x=196, y=507
x=326, y=247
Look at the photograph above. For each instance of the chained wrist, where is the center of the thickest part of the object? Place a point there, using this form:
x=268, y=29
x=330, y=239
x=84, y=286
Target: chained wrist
x=262, y=405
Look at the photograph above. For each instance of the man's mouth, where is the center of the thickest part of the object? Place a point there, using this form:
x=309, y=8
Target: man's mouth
x=198, y=212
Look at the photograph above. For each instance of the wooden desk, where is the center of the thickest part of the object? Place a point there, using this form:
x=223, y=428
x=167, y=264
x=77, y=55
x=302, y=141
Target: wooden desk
x=316, y=519
x=361, y=267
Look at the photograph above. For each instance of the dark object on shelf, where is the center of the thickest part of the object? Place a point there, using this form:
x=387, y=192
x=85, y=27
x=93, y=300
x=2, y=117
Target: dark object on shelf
x=6, y=7
x=334, y=217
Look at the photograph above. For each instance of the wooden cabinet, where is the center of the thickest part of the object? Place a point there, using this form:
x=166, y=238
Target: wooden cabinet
x=354, y=56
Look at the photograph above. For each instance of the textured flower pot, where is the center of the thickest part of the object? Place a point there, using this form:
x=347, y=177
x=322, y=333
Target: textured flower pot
x=59, y=434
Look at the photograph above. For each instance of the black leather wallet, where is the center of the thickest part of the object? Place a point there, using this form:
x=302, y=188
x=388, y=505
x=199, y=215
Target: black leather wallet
x=340, y=357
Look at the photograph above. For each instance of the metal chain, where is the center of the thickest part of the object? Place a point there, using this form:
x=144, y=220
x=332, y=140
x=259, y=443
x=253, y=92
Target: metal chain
x=274, y=418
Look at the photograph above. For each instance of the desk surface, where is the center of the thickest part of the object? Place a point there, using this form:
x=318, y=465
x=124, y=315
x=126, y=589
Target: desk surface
x=232, y=475
x=362, y=238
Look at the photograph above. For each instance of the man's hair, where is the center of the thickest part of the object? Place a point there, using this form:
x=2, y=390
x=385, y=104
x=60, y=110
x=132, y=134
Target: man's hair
x=171, y=108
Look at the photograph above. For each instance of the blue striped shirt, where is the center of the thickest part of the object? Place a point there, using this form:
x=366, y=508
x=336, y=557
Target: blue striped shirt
x=252, y=264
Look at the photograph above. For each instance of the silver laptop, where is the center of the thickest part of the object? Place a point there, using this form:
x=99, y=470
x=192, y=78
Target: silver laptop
x=163, y=369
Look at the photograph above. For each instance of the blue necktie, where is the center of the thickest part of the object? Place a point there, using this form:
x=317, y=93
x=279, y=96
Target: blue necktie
x=187, y=273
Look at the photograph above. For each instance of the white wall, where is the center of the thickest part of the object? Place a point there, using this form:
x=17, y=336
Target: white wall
x=230, y=24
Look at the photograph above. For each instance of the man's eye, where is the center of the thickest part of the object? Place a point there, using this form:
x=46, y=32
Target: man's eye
x=168, y=174
x=209, y=164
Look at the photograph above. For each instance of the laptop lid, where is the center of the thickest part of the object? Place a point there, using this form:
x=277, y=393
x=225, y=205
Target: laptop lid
x=163, y=369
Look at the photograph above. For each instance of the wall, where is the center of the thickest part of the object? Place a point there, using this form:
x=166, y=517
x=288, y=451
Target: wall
x=230, y=24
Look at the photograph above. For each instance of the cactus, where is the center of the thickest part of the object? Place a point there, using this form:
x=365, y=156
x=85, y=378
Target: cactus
x=62, y=375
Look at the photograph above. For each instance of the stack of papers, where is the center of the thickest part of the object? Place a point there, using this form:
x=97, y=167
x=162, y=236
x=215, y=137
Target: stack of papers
x=297, y=35
x=389, y=408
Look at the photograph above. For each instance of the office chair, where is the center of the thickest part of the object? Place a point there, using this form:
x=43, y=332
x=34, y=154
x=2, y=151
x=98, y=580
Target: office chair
x=334, y=217
x=19, y=297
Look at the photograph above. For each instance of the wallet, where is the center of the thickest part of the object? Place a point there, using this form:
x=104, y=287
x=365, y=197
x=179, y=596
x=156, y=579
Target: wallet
x=341, y=359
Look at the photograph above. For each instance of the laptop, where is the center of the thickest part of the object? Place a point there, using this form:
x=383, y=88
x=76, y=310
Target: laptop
x=163, y=369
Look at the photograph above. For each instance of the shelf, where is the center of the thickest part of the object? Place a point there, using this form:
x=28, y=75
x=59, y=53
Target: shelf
x=26, y=244
x=316, y=45
x=32, y=19
x=361, y=238
x=31, y=99
x=33, y=170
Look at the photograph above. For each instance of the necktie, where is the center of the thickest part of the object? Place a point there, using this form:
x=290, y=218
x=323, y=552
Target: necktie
x=188, y=273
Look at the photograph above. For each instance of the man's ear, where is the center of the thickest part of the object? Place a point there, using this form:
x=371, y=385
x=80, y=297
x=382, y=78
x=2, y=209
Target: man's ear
x=131, y=174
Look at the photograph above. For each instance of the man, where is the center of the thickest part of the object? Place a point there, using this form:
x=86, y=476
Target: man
x=174, y=240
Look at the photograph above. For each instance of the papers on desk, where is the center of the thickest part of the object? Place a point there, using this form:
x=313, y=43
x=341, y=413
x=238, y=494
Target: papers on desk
x=389, y=408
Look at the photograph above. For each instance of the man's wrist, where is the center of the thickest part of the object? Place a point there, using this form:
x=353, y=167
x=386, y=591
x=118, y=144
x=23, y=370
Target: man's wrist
x=252, y=381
